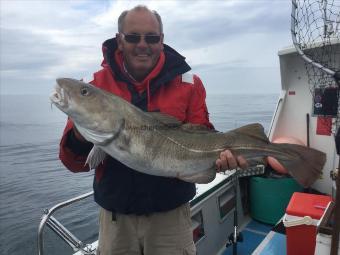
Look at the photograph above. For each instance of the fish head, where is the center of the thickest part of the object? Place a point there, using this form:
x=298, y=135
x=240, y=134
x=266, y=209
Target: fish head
x=89, y=107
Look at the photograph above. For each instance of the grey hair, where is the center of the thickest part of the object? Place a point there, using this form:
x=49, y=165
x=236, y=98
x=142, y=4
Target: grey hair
x=138, y=8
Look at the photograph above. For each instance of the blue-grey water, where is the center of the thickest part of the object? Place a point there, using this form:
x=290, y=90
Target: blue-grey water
x=32, y=177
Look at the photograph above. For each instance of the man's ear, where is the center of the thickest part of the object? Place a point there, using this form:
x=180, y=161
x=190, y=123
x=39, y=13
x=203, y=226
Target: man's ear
x=119, y=41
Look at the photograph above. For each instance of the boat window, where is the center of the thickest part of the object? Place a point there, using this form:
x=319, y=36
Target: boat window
x=197, y=226
x=226, y=202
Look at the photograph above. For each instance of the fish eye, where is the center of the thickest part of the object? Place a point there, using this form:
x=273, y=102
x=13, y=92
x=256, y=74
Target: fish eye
x=84, y=91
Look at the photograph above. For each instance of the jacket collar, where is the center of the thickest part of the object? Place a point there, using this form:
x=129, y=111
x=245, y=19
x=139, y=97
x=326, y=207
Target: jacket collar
x=174, y=63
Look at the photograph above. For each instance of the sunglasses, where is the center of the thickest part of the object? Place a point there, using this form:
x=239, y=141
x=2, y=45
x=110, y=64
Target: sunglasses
x=135, y=38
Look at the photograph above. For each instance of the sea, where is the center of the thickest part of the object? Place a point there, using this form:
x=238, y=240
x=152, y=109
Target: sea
x=32, y=178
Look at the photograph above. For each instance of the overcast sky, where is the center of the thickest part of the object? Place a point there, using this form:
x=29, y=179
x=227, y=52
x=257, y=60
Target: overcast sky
x=231, y=45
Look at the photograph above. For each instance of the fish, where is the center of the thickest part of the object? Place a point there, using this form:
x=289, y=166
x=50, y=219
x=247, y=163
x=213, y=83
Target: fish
x=157, y=144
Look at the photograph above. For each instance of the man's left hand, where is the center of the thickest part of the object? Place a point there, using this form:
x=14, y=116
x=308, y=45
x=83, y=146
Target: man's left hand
x=227, y=161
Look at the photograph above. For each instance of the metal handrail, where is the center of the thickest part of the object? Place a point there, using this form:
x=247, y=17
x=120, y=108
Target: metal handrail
x=59, y=229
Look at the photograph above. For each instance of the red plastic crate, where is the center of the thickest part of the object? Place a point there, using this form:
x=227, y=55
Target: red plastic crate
x=302, y=215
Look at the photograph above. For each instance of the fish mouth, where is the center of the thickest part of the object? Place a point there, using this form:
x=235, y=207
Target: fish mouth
x=58, y=96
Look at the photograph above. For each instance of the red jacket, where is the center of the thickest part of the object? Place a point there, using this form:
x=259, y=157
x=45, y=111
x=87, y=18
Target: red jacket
x=170, y=89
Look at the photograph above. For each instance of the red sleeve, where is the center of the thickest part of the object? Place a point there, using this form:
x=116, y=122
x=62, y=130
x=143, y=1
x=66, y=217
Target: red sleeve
x=73, y=161
x=197, y=112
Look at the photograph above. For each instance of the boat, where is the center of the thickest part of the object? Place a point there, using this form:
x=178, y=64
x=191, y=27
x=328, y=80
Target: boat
x=213, y=208
x=219, y=209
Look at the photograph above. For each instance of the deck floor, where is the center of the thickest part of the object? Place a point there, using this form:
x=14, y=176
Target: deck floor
x=259, y=239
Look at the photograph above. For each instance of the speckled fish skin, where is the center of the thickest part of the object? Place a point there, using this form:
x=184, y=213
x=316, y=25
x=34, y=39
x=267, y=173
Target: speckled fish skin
x=156, y=144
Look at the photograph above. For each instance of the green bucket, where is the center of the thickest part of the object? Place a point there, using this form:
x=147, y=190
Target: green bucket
x=269, y=197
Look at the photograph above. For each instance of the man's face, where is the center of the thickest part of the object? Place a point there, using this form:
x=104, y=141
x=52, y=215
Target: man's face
x=141, y=57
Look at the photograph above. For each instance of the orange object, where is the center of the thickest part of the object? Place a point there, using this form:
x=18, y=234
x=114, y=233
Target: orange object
x=273, y=162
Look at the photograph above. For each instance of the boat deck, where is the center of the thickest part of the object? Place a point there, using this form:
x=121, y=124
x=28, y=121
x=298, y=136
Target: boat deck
x=260, y=239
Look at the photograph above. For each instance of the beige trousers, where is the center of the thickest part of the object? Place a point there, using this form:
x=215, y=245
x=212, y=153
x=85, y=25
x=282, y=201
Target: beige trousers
x=165, y=233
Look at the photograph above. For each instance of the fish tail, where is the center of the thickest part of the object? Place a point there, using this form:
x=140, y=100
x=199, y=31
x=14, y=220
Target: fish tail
x=303, y=164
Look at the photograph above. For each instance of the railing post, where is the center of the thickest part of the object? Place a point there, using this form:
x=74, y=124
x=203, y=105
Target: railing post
x=59, y=228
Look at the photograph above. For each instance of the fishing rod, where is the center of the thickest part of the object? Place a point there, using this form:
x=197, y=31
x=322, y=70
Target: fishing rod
x=235, y=236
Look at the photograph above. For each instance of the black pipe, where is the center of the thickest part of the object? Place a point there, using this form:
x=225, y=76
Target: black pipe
x=336, y=226
x=307, y=119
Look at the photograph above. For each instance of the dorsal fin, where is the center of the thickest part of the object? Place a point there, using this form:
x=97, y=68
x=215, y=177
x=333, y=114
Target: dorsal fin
x=175, y=123
x=165, y=119
x=197, y=128
x=255, y=130
x=190, y=126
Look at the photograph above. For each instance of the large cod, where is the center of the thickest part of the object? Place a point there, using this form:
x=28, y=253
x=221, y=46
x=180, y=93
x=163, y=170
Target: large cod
x=156, y=144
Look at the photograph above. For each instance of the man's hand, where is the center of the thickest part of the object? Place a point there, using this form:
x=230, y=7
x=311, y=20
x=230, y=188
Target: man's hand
x=228, y=161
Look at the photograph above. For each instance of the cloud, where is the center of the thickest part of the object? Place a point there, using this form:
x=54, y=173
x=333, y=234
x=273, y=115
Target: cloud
x=42, y=40
x=208, y=23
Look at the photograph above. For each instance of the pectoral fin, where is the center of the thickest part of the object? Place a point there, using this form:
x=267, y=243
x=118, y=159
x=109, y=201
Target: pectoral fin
x=95, y=157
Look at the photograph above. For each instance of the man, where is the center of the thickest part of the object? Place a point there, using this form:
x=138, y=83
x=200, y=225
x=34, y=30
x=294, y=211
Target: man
x=143, y=214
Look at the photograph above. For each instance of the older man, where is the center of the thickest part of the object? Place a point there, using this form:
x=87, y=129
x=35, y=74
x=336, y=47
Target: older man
x=143, y=214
